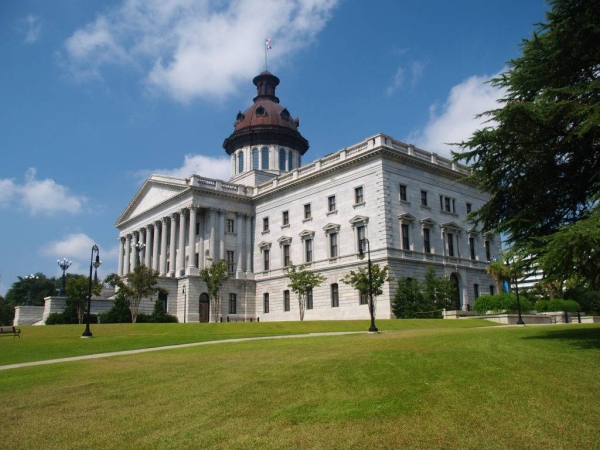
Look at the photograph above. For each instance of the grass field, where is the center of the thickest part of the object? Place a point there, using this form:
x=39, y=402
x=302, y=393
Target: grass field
x=427, y=384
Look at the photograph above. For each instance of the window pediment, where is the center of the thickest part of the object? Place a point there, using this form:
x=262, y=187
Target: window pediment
x=407, y=217
x=283, y=240
x=306, y=234
x=428, y=221
x=331, y=228
x=451, y=226
x=264, y=245
x=359, y=220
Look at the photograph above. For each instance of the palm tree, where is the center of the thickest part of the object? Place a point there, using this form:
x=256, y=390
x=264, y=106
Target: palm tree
x=499, y=273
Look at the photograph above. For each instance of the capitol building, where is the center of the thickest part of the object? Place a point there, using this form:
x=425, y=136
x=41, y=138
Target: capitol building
x=410, y=204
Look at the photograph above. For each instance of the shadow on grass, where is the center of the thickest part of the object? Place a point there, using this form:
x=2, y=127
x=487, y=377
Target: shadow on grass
x=587, y=338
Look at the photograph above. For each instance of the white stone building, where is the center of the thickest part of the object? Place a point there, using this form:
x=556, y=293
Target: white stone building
x=411, y=205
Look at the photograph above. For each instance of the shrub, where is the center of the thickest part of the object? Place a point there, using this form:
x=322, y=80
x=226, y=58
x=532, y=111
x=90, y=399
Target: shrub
x=119, y=313
x=557, y=305
x=504, y=302
x=55, y=319
x=159, y=315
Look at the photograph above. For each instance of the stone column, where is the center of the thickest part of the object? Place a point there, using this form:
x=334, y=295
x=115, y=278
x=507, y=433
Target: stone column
x=120, y=265
x=191, y=270
x=202, y=224
x=147, y=252
x=127, y=260
x=172, y=245
x=180, y=269
x=222, y=214
x=239, y=228
x=163, y=247
x=155, y=244
x=249, y=243
x=213, y=234
x=136, y=240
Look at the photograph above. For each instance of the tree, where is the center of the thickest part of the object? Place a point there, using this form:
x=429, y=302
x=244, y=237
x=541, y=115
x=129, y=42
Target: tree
x=139, y=284
x=499, y=273
x=360, y=280
x=215, y=275
x=7, y=312
x=77, y=290
x=41, y=287
x=421, y=300
x=301, y=282
x=538, y=156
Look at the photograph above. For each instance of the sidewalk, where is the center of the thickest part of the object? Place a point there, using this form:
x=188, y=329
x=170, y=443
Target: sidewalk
x=170, y=347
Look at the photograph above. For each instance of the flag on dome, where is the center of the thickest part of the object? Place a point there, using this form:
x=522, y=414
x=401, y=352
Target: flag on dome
x=268, y=44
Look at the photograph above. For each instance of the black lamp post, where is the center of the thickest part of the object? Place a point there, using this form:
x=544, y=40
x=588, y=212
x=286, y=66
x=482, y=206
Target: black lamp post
x=31, y=278
x=138, y=248
x=520, y=321
x=64, y=265
x=87, y=333
x=361, y=255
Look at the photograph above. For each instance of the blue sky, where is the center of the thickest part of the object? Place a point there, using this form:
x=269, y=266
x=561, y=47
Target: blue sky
x=95, y=96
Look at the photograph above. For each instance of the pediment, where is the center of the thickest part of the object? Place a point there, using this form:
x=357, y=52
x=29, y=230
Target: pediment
x=331, y=227
x=284, y=240
x=152, y=194
x=428, y=221
x=264, y=245
x=452, y=225
x=306, y=234
x=407, y=217
x=359, y=219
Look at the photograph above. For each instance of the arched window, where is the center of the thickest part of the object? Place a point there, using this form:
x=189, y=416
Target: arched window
x=264, y=158
x=282, y=159
x=255, y=158
x=290, y=160
x=240, y=162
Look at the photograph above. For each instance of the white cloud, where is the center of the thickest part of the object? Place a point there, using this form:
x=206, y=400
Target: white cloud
x=414, y=68
x=191, y=48
x=457, y=120
x=39, y=196
x=397, y=82
x=206, y=166
x=33, y=29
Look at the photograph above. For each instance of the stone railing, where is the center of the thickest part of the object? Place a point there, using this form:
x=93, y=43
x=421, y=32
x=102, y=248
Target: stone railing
x=217, y=185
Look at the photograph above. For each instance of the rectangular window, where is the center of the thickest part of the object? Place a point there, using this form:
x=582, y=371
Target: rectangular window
x=230, y=261
x=197, y=259
x=286, y=255
x=266, y=259
x=197, y=228
x=492, y=289
x=363, y=299
x=426, y=240
x=488, y=251
x=265, y=224
x=309, y=299
x=335, y=299
x=333, y=245
x=447, y=204
x=403, y=196
x=405, y=239
x=266, y=303
x=285, y=218
x=476, y=290
x=472, y=247
x=358, y=195
x=308, y=250
x=360, y=235
x=232, y=304
x=331, y=203
x=307, y=214
x=230, y=223
x=450, y=238
x=424, y=198
x=469, y=208
x=286, y=300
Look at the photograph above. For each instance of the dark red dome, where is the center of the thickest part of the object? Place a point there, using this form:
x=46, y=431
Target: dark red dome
x=266, y=121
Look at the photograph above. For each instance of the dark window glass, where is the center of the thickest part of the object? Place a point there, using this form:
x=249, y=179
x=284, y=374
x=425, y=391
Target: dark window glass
x=360, y=235
x=240, y=162
x=264, y=153
x=255, y=158
x=232, y=304
x=230, y=261
x=469, y=207
x=476, y=289
x=266, y=259
x=307, y=213
x=230, y=225
x=309, y=299
x=450, y=238
x=472, y=247
x=333, y=245
x=363, y=299
x=282, y=159
x=308, y=246
x=266, y=303
x=403, y=192
x=488, y=253
x=358, y=195
x=286, y=300
x=266, y=224
x=286, y=218
x=405, y=239
x=286, y=255
x=426, y=240
x=423, y=198
x=331, y=203
x=335, y=300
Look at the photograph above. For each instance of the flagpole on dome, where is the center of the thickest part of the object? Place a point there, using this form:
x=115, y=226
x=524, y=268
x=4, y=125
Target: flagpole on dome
x=267, y=47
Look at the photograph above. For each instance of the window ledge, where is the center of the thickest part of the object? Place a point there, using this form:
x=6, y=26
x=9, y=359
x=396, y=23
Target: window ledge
x=266, y=232
x=308, y=219
x=405, y=202
x=426, y=207
x=448, y=213
x=231, y=233
x=285, y=226
x=334, y=259
x=329, y=213
x=356, y=205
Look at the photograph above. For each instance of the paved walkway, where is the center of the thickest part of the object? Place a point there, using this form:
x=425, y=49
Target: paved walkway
x=170, y=347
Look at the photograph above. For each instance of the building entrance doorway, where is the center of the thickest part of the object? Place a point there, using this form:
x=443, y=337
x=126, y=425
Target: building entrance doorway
x=204, y=308
x=456, y=293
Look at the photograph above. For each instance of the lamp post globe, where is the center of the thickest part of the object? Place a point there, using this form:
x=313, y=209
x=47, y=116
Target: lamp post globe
x=139, y=247
x=64, y=264
x=93, y=264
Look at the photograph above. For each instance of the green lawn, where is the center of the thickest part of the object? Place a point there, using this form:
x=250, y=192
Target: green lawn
x=62, y=341
x=426, y=385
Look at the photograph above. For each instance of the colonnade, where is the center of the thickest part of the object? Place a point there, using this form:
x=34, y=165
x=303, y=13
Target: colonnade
x=181, y=243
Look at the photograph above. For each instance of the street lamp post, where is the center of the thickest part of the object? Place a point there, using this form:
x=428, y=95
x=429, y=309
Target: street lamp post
x=93, y=263
x=64, y=265
x=520, y=321
x=361, y=255
x=138, y=249
x=31, y=278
